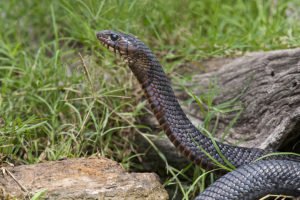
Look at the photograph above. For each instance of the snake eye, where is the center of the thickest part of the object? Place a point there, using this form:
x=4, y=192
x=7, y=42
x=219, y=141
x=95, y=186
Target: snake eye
x=114, y=37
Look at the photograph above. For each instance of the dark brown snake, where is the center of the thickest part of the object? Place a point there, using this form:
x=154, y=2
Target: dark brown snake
x=251, y=180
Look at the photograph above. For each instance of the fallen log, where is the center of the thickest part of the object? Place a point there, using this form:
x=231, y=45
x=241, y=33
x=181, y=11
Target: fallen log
x=267, y=84
x=83, y=178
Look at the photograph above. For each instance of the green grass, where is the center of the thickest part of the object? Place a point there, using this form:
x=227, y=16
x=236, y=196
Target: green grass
x=50, y=108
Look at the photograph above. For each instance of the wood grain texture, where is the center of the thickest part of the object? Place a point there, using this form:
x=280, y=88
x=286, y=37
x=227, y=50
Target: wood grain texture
x=84, y=178
x=268, y=86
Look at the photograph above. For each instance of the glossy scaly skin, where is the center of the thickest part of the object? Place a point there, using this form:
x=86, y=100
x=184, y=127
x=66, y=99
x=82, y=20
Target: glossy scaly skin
x=183, y=134
x=256, y=180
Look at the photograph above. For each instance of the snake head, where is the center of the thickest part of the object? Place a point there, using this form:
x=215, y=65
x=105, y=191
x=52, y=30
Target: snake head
x=127, y=46
x=138, y=56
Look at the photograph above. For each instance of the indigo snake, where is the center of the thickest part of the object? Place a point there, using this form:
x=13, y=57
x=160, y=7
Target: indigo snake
x=277, y=174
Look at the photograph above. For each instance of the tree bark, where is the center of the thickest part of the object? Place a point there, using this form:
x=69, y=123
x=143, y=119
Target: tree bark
x=267, y=85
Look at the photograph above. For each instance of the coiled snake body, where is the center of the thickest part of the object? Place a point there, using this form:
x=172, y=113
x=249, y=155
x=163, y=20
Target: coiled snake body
x=277, y=175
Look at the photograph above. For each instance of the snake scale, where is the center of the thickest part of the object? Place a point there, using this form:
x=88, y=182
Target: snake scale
x=251, y=180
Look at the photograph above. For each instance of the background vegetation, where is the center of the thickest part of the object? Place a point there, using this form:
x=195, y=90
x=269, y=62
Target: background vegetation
x=53, y=106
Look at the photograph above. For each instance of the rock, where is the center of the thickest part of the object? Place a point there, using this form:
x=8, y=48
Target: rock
x=84, y=178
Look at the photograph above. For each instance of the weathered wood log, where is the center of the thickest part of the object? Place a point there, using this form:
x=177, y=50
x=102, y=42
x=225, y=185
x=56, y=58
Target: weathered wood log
x=93, y=178
x=266, y=85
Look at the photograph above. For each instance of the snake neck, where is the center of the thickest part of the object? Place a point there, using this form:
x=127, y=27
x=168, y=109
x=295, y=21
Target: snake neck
x=183, y=134
x=161, y=97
